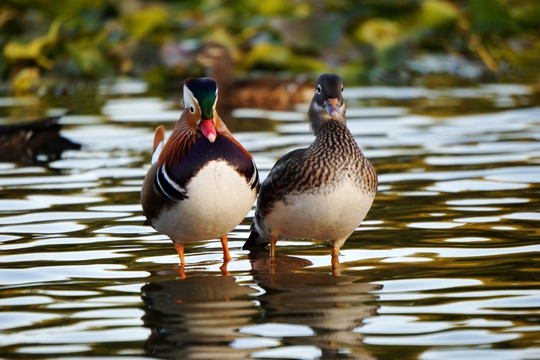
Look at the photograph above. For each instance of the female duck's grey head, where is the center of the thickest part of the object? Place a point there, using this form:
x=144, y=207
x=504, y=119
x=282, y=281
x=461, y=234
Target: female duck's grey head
x=327, y=103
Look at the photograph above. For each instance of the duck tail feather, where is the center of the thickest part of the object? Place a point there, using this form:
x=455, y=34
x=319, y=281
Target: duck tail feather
x=256, y=239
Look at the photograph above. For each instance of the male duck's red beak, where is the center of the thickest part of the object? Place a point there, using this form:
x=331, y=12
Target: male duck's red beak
x=208, y=129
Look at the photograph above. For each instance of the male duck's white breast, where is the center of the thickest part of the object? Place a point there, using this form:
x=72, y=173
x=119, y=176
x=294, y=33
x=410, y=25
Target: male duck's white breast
x=218, y=199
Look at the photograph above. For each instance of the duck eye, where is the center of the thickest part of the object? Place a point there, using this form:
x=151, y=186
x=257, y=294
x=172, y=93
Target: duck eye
x=319, y=89
x=341, y=88
x=192, y=109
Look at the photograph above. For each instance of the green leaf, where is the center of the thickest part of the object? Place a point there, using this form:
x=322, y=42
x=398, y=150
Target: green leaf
x=437, y=13
x=380, y=33
x=490, y=16
x=315, y=32
x=89, y=59
x=144, y=21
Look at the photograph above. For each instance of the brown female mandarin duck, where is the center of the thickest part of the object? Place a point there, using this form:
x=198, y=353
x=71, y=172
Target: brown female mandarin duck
x=25, y=142
x=202, y=182
x=272, y=93
x=322, y=192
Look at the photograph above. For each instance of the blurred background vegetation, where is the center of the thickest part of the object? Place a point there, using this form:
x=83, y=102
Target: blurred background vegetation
x=57, y=44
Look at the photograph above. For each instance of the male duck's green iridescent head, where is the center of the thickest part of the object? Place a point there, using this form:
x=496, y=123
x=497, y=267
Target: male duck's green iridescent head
x=200, y=98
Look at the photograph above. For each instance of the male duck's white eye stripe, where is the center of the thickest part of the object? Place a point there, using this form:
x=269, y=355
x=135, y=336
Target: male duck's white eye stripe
x=189, y=98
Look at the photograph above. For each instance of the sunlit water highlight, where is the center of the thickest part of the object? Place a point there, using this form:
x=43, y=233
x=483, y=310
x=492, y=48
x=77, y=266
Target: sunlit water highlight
x=444, y=267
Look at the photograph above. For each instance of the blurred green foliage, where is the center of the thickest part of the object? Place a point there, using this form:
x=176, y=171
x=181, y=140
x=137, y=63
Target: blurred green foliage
x=75, y=40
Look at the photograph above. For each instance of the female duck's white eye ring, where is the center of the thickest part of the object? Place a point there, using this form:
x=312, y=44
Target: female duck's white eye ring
x=192, y=109
x=318, y=89
x=342, y=88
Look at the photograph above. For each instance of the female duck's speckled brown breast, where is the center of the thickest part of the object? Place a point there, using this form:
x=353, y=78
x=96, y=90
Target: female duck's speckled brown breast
x=332, y=157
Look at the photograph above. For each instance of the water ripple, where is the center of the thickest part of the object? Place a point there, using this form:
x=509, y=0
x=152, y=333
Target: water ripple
x=444, y=266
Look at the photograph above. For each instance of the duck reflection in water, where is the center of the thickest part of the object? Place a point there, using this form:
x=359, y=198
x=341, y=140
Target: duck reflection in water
x=197, y=317
x=332, y=306
x=214, y=317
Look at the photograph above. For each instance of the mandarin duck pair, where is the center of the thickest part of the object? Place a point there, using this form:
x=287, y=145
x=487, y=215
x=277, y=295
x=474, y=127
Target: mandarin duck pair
x=202, y=182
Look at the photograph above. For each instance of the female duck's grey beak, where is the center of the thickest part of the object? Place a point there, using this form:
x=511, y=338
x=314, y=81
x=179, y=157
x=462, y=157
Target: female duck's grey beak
x=332, y=107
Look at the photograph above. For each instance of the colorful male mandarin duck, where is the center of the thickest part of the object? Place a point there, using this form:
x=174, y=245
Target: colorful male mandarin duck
x=202, y=182
x=322, y=192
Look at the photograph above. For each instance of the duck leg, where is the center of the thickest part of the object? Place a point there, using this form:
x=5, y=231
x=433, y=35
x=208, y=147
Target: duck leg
x=224, y=244
x=273, y=241
x=223, y=268
x=226, y=256
x=180, y=250
x=335, y=260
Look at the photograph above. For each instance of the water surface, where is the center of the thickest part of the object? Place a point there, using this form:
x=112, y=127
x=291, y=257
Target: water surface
x=445, y=266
